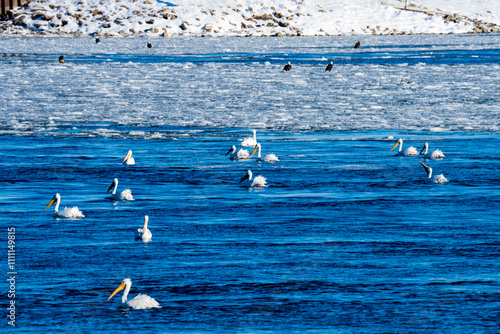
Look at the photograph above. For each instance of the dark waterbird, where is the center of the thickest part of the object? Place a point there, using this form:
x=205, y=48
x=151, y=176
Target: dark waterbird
x=329, y=67
x=287, y=67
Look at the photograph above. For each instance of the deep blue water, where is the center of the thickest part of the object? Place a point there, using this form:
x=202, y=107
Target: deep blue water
x=347, y=238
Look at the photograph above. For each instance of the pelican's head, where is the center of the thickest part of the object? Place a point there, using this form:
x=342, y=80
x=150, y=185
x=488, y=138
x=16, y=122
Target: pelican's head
x=115, y=182
x=255, y=150
x=399, y=142
x=232, y=149
x=126, y=283
x=129, y=154
x=247, y=176
x=54, y=199
x=428, y=170
x=426, y=146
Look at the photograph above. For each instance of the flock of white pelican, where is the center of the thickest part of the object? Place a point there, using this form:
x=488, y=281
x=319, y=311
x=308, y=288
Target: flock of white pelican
x=144, y=301
x=141, y=301
x=412, y=151
x=242, y=154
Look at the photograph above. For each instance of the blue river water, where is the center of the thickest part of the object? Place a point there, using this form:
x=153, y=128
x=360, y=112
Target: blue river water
x=346, y=238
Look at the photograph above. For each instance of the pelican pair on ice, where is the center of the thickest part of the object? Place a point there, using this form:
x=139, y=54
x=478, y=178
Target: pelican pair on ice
x=125, y=195
x=243, y=154
x=67, y=212
x=140, y=302
x=412, y=151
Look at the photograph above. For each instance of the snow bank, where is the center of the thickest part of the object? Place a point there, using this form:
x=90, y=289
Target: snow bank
x=248, y=18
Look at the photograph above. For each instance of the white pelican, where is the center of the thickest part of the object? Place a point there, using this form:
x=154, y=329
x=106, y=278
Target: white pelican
x=250, y=141
x=267, y=158
x=240, y=155
x=437, y=154
x=67, y=212
x=259, y=181
x=125, y=195
x=140, y=302
x=410, y=151
x=128, y=159
x=436, y=179
x=144, y=233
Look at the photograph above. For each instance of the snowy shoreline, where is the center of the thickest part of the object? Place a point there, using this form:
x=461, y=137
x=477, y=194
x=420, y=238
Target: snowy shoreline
x=248, y=18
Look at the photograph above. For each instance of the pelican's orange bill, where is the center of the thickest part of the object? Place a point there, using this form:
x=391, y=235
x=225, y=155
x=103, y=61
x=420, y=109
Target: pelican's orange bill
x=121, y=287
x=51, y=202
x=254, y=150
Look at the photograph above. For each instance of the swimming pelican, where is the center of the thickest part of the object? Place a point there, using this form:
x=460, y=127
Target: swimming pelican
x=436, y=179
x=128, y=159
x=267, y=158
x=259, y=181
x=240, y=155
x=410, y=151
x=125, y=195
x=437, y=154
x=144, y=233
x=67, y=212
x=250, y=141
x=140, y=302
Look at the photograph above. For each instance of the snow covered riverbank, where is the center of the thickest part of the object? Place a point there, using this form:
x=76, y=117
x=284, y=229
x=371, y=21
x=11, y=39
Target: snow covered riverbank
x=249, y=18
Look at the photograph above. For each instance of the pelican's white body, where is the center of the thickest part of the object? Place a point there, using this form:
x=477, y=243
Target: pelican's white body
x=125, y=195
x=67, y=212
x=250, y=141
x=240, y=155
x=251, y=182
x=140, y=302
x=407, y=152
x=128, y=159
x=144, y=233
x=437, y=154
x=433, y=179
x=267, y=158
